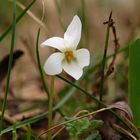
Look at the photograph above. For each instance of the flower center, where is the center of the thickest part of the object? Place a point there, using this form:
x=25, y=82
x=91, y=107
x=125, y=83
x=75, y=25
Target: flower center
x=69, y=56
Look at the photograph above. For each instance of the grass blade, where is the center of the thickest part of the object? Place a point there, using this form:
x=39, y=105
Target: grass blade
x=134, y=80
x=9, y=64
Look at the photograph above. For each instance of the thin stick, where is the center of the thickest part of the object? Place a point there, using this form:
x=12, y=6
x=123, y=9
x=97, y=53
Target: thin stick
x=74, y=119
x=58, y=132
x=76, y=115
x=34, y=17
x=122, y=130
x=109, y=22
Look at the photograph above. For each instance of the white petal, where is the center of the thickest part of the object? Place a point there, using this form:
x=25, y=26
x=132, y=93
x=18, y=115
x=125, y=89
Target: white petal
x=55, y=42
x=73, y=32
x=83, y=57
x=72, y=69
x=53, y=65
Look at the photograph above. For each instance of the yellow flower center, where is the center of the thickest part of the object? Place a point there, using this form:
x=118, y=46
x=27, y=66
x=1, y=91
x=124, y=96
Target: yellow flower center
x=69, y=56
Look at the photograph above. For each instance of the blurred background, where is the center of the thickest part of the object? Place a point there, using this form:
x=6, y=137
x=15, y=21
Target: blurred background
x=26, y=91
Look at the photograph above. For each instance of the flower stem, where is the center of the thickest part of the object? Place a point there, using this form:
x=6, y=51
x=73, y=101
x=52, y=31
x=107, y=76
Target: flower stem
x=40, y=67
x=109, y=22
x=50, y=107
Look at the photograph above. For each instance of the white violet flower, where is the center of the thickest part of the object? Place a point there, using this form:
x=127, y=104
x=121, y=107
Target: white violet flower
x=69, y=59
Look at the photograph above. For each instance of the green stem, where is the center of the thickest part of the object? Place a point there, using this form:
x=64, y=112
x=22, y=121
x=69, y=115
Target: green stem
x=103, y=62
x=9, y=64
x=40, y=66
x=50, y=107
x=49, y=94
x=14, y=135
x=29, y=132
x=82, y=90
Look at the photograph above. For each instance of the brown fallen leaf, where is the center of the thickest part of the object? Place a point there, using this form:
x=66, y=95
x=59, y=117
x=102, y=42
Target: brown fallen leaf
x=108, y=129
x=4, y=63
x=123, y=106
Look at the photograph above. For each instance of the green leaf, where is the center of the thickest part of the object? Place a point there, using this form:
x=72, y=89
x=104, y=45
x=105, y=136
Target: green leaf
x=77, y=127
x=134, y=80
x=94, y=136
x=83, y=126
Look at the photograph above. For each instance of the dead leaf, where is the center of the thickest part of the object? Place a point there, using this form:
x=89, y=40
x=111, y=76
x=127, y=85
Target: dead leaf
x=4, y=63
